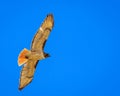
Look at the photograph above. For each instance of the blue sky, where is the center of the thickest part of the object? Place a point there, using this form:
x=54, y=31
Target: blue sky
x=84, y=46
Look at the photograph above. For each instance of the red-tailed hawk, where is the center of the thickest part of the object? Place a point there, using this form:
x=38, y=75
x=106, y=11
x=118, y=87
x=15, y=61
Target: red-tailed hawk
x=31, y=57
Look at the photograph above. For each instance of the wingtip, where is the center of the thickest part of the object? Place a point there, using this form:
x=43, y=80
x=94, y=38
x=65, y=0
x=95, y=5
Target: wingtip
x=20, y=88
x=50, y=14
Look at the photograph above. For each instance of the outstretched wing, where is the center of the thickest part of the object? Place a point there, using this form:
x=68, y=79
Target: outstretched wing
x=27, y=73
x=42, y=34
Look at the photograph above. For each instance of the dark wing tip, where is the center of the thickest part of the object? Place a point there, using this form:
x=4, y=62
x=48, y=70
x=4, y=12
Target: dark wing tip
x=50, y=16
x=20, y=88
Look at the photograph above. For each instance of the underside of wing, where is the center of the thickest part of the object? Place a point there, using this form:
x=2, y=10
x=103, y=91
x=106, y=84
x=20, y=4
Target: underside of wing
x=42, y=33
x=27, y=73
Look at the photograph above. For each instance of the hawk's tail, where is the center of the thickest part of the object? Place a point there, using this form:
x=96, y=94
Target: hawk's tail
x=22, y=58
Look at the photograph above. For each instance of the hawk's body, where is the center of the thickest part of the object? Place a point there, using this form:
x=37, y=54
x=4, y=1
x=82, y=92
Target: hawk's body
x=31, y=58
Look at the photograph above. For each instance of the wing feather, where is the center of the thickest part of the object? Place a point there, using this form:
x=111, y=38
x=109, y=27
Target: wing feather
x=42, y=34
x=27, y=73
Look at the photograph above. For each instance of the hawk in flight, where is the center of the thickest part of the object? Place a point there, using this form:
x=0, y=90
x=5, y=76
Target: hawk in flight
x=30, y=58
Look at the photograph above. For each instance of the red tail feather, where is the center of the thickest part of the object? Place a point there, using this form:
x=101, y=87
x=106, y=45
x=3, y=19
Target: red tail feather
x=22, y=57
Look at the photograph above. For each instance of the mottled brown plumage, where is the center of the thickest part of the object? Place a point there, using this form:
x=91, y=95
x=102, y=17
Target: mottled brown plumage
x=31, y=58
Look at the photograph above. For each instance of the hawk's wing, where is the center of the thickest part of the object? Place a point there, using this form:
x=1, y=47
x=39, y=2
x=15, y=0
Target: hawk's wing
x=42, y=34
x=37, y=44
x=27, y=73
